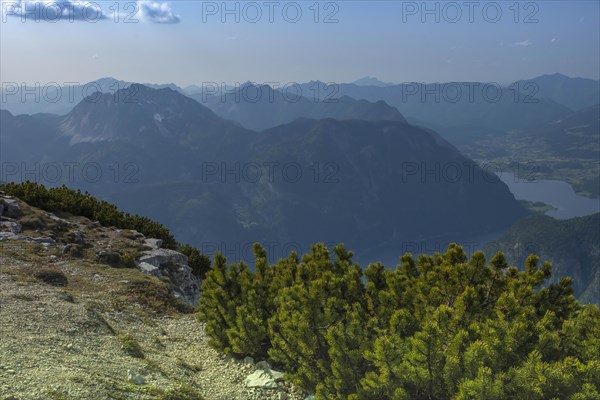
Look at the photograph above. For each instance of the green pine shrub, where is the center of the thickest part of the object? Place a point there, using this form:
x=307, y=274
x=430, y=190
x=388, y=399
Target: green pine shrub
x=199, y=262
x=441, y=327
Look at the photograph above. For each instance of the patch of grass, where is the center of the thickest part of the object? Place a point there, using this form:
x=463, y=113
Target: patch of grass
x=96, y=306
x=75, y=250
x=111, y=258
x=129, y=234
x=77, y=379
x=52, y=277
x=190, y=367
x=182, y=392
x=23, y=251
x=123, y=258
x=17, y=275
x=24, y=297
x=35, y=220
x=153, y=366
x=182, y=307
x=119, y=304
x=56, y=395
x=100, y=322
x=122, y=391
x=131, y=345
x=150, y=293
x=66, y=296
x=128, y=260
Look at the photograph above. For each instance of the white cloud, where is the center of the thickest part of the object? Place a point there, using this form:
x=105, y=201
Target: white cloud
x=158, y=13
x=524, y=43
x=83, y=10
x=553, y=40
x=53, y=10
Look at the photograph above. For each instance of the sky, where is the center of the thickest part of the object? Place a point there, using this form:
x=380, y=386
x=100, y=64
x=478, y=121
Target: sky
x=191, y=42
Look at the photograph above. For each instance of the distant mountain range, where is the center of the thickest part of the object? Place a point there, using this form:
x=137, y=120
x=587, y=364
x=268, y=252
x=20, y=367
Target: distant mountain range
x=460, y=111
x=575, y=93
x=60, y=99
x=215, y=183
x=371, y=81
x=262, y=107
x=457, y=110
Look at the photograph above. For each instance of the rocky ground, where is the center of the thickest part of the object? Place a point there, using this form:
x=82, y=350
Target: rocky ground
x=74, y=326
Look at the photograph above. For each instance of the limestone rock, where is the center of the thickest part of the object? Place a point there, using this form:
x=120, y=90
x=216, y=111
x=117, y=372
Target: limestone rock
x=11, y=208
x=149, y=269
x=263, y=365
x=43, y=240
x=264, y=379
x=77, y=237
x=8, y=236
x=135, y=378
x=165, y=262
x=186, y=283
x=10, y=226
x=161, y=257
x=154, y=243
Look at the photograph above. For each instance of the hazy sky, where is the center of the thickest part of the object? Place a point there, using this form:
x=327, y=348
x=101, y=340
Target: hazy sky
x=188, y=42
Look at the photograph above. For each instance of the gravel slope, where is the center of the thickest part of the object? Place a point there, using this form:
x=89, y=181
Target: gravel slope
x=73, y=339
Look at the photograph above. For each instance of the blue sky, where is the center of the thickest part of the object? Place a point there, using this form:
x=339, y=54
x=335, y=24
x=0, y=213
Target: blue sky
x=187, y=42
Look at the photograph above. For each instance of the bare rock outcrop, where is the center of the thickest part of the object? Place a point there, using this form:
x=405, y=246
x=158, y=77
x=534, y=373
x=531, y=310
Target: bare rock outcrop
x=174, y=265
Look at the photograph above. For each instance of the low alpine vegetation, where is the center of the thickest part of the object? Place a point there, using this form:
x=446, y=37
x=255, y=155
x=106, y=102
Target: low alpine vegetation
x=75, y=202
x=438, y=327
x=131, y=346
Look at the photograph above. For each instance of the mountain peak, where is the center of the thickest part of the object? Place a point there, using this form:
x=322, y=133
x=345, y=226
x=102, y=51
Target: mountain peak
x=371, y=81
x=135, y=113
x=5, y=113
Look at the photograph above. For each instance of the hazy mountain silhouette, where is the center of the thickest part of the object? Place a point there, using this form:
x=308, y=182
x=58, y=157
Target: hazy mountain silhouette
x=262, y=107
x=459, y=110
x=364, y=183
x=371, y=81
x=575, y=93
x=60, y=99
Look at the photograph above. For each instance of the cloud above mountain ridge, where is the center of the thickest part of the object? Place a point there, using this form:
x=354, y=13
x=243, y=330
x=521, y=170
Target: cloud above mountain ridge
x=64, y=10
